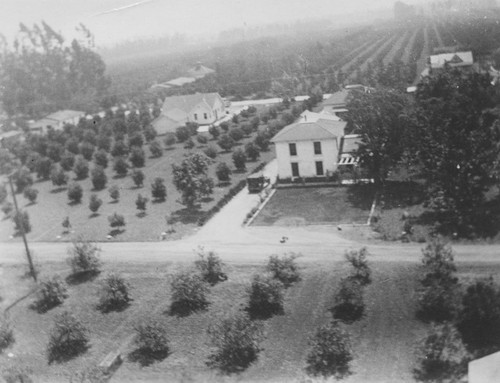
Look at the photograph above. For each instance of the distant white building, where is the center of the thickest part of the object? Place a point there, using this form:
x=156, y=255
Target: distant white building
x=56, y=120
x=485, y=370
x=201, y=108
x=453, y=60
x=308, y=149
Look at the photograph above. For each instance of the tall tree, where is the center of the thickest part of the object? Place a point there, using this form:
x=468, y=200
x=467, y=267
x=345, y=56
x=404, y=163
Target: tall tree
x=380, y=119
x=190, y=178
x=457, y=143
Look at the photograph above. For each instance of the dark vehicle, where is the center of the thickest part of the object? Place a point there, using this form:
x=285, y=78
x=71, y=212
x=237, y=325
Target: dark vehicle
x=256, y=182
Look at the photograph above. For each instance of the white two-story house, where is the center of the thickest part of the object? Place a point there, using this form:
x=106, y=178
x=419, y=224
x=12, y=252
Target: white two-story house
x=308, y=149
x=201, y=108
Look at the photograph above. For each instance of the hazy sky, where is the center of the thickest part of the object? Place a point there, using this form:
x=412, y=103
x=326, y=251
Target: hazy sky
x=117, y=20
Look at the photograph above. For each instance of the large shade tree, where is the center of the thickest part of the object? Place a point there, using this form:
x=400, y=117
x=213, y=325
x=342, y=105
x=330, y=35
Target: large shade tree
x=457, y=141
x=380, y=118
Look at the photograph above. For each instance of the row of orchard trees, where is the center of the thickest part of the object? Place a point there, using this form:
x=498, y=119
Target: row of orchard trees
x=447, y=136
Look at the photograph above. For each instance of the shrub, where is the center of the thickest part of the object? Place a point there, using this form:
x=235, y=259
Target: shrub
x=223, y=172
x=22, y=222
x=150, y=133
x=119, y=149
x=121, y=167
x=252, y=151
x=103, y=142
x=3, y=193
x=114, y=293
x=6, y=335
x=224, y=126
x=441, y=356
x=30, y=194
x=201, y=139
x=214, y=132
x=169, y=140
x=479, y=318
x=210, y=152
x=247, y=128
x=266, y=297
x=67, y=161
x=86, y=149
x=349, y=304
x=75, y=192
x=81, y=168
x=58, y=177
x=262, y=141
x=94, y=203
x=155, y=149
x=236, y=341
x=66, y=224
x=99, y=178
x=135, y=140
x=68, y=338
x=284, y=269
x=255, y=123
x=438, y=263
x=192, y=127
x=114, y=193
x=189, y=144
x=138, y=177
x=236, y=134
x=225, y=142
x=50, y=293
x=22, y=179
x=116, y=220
x=141, y=202
x=358, y=261
x=151, y=339
x=330, y=352
x=189, y=293
x=137, y=157
x=210, y=267
x=182, y=133
x=84, y=257
x=239, y=160
x=42, y=167
x=235, y=119
x=101, y=158
x=158, y=189
x=7, y=208
x=438, y=303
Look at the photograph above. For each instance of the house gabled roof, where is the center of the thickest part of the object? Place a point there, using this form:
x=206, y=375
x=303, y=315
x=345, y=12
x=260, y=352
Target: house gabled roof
x=187, y=102
x=485, y=369
x=337, y=99
x=199, y=71
x=457, y=59
x=308, y=116
x=311, y=131
x=64, y=115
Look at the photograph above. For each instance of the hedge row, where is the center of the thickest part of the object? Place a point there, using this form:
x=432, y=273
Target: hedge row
x=227, y=197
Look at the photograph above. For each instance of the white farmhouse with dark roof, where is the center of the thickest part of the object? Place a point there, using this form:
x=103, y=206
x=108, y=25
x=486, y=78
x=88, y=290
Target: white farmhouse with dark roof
x=308, y=149
x=202, y=108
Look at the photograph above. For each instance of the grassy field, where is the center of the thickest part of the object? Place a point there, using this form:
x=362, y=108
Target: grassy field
x=383, y=340
x=301, y=206
x=52, y=206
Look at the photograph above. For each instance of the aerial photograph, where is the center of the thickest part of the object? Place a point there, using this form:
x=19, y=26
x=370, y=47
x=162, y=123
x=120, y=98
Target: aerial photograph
x=250, y=191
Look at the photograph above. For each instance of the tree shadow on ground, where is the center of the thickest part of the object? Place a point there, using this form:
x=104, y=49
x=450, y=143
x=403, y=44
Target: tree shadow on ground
x=67, y=353
x=325, y=371
x=186, y=215
x=74, y=203
x=183, y=309
x=116, y=232
x=263, y=312
x=347, y=313
x=118, y=176
x=110, y=307
x=158, y=200
x=361, y=196
x=42, y=307
x=402, y=194
x=233, y=364
x=93, y=215
x=82, y=277
x=58, y=190
x=146, y=358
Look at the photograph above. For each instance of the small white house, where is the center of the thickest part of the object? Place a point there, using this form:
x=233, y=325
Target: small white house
x=56, y=120
x=308, y=149
x=201, y=108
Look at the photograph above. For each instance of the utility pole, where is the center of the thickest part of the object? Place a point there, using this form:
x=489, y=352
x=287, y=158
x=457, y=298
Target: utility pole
x=21, y=228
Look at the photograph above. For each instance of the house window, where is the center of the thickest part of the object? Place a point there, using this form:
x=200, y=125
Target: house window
x=205, y=116
x=293, y=149
x=319, y=168
x=295, y=169
x=196, y=117
x=317, y=148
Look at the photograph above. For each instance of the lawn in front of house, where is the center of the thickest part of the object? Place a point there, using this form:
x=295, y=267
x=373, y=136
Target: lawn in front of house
x=318, y=205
